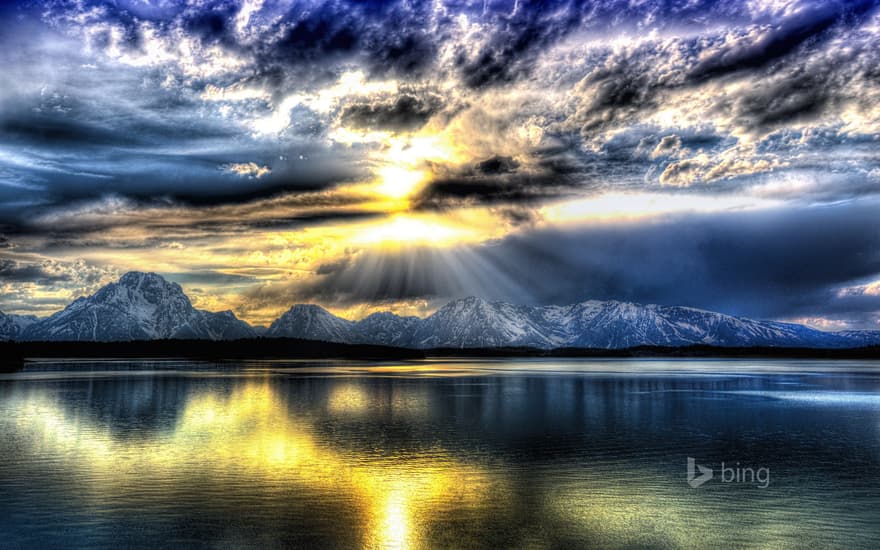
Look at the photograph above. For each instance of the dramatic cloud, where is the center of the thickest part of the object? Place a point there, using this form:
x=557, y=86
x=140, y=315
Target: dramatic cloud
x=765, y=263
x=405, y=112
x=266, y=152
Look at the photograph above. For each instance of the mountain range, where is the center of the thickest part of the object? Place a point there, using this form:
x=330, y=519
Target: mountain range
x=145, y=306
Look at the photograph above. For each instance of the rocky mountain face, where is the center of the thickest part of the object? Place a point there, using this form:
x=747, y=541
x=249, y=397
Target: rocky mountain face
x=312, y=323
x=385, y=327
x=140, y=306
x=475, y=323
x=11, y=325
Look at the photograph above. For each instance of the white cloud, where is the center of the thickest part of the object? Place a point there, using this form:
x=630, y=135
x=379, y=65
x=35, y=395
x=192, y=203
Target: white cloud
x=669, y=146
x=250, y=169
x=731, y=163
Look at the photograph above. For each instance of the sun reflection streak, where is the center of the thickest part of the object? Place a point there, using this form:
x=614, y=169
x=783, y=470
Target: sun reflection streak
x=348, y=398
x=250, y=432
x=395, y=523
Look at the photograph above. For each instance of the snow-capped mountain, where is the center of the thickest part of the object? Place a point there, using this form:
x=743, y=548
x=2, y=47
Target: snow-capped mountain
x=312, y=323
x=861, y=337
x=140, y=306
x=476, y=323
x=143, y=306
x=619, y=325
x=11, y=325
x=385, y=327
x=472, y=322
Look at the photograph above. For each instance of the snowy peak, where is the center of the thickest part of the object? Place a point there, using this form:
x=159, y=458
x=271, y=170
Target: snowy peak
x=468, y=304
x=148, y=288
x=137, y=279
x=156, y=302
x=11, y=325
x=385, y=327
x=473, y=322
x=311, y=322
x=308, y=310
x=140, y=306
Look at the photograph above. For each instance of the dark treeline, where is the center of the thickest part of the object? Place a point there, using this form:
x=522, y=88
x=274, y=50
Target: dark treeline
x=696, y=351
x=13, y=354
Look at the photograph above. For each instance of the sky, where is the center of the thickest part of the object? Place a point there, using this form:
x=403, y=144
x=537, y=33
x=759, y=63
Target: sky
x=395, y=155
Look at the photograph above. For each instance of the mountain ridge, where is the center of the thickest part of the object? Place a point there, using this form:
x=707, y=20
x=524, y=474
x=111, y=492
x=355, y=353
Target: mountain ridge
x=145, y=306
x=476, y=323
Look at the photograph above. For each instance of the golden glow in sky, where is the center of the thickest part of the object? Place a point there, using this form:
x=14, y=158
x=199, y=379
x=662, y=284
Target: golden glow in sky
x=396, y=182
x=262, y=158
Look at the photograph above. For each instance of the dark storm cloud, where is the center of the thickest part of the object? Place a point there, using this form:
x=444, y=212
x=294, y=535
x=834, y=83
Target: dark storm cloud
x=395, y=37
x=71, y=144
x=554, y=172
x=799, y=93
x=28, y=127
x=806, y=26
x=568, y=167
x=59, y=121
x=12, y=271
x=497, y=165
x=332, y=267
x=453, y=192
x=175, y=221
x=768, y=264
x=391, y=38
x=293, y=221
x=194, y=180
x=796, y=63
x=320, y=170
x=519, y=32
x=320, y=34
x=762, y=264
x=624, y=86
x=405, y=112
x=515, y=41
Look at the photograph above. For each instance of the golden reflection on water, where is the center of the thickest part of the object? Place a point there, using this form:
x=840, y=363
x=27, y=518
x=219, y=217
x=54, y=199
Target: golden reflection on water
x=249, y=432
x=348, y=399
x=250, y=445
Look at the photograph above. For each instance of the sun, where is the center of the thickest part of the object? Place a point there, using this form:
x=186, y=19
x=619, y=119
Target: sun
x=398, y=182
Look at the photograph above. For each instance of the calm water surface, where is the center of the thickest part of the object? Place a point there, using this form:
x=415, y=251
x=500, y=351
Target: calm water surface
x=512, y=454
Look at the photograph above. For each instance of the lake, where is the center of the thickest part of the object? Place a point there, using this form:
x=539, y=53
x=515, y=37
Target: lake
x=437, y=454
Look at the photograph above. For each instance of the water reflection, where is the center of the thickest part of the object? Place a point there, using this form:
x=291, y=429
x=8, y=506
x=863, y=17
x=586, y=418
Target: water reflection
x=247, y=433
x=395, y=457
